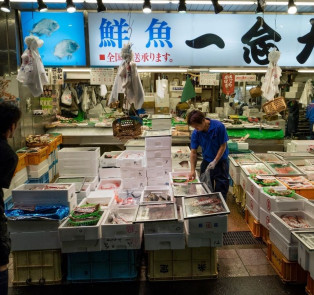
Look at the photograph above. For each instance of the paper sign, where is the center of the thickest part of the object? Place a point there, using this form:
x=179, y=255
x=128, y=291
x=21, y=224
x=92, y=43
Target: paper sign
x=245, y=78
x=101, y=76
x=56, y=76
x=209, y=79
x=228, y=83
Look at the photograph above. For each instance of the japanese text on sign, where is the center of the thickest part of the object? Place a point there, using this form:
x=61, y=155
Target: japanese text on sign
x=209, y=79
x=99, y=76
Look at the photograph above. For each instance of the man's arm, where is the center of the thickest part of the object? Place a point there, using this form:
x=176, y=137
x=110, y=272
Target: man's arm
x=220, y=152
x=193, y=160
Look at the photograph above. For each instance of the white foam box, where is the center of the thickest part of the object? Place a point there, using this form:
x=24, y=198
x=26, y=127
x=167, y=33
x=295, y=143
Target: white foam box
x=160, y=121
x=252, y=206
x=38, y=173
x=92, y=181
x=293, y=94
x=25, y=196
x=181, y=174
x=131, y=159
x=305, y=251
x=264, y=218
x=243, y=146
x=79, y=153
x=164, y=241
x=157, y=190
x=153, y=143
x=290, y=251
x=100, y=197
x=78, y=168
x=109, y=184
x=85, y=191
x=199, y=240
x=109, y=162
x=180, y=153
x=158, y=181
x=80, y=246
x=234, y=172
x=207, y=225
x=157, y=172
x=271, y=203
x=36, y=168
x=302, y=145
x=124, y=195
x=159, y=153
x=285, y=229
x=122, y=243
x=134, y=183
x=183, y=165
x=133, y=173
x=159, y=162
x=109, y=173
x=135, y=144
x=20, y=178
x=244, y=180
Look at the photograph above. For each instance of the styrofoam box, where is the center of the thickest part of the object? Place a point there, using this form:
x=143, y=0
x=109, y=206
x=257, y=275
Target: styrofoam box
x=131, y=159
x=133, y=173
x=264, y=218
x=20, y=178
x=134, y=183
x=79, y=153
x=80, y=246
x=159, y=162
x=156, y=189
x=39, y=173
x=159, y=153
x=243, y=180
x=79, y=233
x=301, y=145
x=284, y=228
x=36, y=168
x=158, y=181
x=78, y=168
x=199, y=240
x=153, y=143
x=158, y=172
x=23, y=195
x=243, y=146
x=293, y=94
x=109, y=173
x=132, y=193
x=109, y=162
x=208, y=224
x=109, y=230
x=85, y=191
x=164, y=241
x=290, y=251
x=100, y=197
x=305, y=255
x=93, y=181
x=252, y=206
x=109, y=184
x=50, y=174
x=122, y=243
x=177, y=167
x=271, y=203
x=180, y=153
x=234, y=172
x=135, y=144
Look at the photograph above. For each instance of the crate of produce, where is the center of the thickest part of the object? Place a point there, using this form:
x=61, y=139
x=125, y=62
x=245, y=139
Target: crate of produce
x=44, y=140
x=37, y=267
x=185, y=264
x=299, y=184
x=109, y=159
x=180, y=153
x=131, y=159
x=114, y=265
x=22, y=162
x=253, y=224
x=289, y=272
x=306, y=250
x=112, y=184
x=310, y=285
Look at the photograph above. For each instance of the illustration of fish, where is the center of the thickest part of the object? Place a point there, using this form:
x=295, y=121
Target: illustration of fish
x=45, y=26
x=205, y=40
x=66, y=48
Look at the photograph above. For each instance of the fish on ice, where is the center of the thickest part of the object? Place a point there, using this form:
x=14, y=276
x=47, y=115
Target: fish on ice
x=66, y=48
x=45, y=26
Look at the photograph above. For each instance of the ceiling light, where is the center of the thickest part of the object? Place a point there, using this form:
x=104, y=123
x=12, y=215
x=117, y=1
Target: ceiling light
x=162, y=70
x=306, y=71
x=42, y=7
x=182, y=6
x=292, y=9
x=147, y=7
x=217, y=7
x=5, y=6
x=100, y=6
x=259, y=8
x=70, y=6
x=227, y=70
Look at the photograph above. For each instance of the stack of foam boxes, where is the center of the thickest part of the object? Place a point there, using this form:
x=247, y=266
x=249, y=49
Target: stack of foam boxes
x=35, y=244
x=108, y=165
x=295, y=91
x=158, y=157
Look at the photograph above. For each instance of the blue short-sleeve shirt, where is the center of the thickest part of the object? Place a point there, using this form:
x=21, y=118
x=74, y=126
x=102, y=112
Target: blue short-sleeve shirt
x=211, y=140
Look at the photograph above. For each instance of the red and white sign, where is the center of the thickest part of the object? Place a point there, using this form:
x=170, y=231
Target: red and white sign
x=228, y=83
x=245, y=78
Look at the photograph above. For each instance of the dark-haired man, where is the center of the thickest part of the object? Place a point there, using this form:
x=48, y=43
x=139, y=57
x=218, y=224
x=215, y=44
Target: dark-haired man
x=9, y=117
x=212, y=136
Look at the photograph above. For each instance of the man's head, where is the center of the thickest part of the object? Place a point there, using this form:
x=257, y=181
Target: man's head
x=197, y=120
x=9, y=116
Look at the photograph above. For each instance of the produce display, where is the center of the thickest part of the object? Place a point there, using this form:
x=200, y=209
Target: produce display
x=203, y=205
x=265, y=181
x=295, y=221
x=280, y=193
x=243, y=158
x=85, y=215
x=156, y=212
x=120, y=217
x=266, y=157
x=189, y=190
x=297, y=182
x=257, y=169
x=284, y=169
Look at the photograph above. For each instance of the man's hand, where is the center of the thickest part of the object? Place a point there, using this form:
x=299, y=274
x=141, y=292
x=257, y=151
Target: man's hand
x=211, y=165
x=192, y=175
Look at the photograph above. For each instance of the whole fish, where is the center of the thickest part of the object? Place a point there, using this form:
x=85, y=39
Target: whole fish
x=45, y=26
x=66, y=48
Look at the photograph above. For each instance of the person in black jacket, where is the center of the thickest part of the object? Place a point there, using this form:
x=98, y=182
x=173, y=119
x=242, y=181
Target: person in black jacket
x=9, y=117
x=293, y=118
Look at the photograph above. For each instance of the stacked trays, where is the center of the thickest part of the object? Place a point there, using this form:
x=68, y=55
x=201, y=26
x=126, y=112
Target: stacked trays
x=108, y=165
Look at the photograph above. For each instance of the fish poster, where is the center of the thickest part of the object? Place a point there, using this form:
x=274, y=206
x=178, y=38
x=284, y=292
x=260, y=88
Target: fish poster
x=63, y=35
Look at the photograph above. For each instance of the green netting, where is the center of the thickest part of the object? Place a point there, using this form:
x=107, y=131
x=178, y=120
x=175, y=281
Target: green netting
x=256, y=133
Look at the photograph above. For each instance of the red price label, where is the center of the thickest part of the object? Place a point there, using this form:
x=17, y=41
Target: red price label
x=268, y=205
x=130, y=229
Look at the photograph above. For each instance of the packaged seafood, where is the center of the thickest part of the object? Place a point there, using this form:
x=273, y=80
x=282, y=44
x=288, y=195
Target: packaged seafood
x=264, y=180
x=243, y=158
x=78, y=181
x=297, y=182
x=127, y=198
x=257, y=169
x=182, y=178
x=156, y=195
x=295, y=221
x=190, y=190
x=284, y=169
x=156, y=212
x=267, y=157
x=280, y=192
x=199, y=206
x=109, y=184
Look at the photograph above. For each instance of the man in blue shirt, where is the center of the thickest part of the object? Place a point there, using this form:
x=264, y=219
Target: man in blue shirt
x=212, y=136
x=310, y=116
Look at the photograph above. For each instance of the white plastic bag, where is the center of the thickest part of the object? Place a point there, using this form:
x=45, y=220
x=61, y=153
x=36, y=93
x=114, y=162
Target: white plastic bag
x=205, y=177
x=66, y=97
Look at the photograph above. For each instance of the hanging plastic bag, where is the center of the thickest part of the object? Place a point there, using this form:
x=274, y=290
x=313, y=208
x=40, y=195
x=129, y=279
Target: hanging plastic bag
x=66, y=97
x=205, y=177
x=94, y=100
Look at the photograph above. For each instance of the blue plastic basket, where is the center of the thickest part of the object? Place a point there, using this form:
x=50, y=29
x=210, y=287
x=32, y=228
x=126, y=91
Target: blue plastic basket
x=43, y=179
x=103, y=266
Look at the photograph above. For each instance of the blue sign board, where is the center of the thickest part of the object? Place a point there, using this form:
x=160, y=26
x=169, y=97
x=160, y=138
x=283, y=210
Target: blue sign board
x=63, y=36
x=201, y=39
